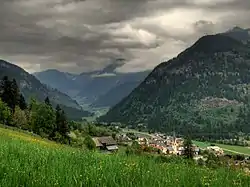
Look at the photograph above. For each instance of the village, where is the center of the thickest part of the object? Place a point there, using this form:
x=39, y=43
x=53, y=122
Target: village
x=166, y=145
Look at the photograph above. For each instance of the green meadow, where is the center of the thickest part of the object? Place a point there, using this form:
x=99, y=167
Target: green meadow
x=27, y=160
x=227, y=148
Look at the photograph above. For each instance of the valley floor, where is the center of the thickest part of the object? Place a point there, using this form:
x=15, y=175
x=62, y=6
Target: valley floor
x=226, y=148
x=203, y=145
x=27, y=160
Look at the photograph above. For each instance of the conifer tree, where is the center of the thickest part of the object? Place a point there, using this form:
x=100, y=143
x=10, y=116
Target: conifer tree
x=10, y=93
x=188, y=152
x=58, y=114
x=47, y=101
x=22, y=103
x=15, y=94
x=61, y=123
x=6, y=89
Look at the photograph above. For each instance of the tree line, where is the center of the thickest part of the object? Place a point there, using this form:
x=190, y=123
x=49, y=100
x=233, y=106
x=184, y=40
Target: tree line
x=38, y=117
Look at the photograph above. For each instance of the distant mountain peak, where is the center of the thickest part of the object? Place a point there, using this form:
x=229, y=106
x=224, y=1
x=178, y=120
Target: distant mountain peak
x=212, y=44
x=236, y=29
x=239, y=34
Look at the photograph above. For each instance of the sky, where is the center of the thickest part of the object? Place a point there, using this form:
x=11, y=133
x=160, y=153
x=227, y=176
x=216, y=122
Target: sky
x=86, y=35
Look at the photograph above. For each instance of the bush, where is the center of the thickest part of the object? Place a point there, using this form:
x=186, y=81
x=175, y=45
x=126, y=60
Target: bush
x=89, y=143
x=135, y=148
x=201, y=162
x=238, y=157
x=20, y=119
x=5, y=113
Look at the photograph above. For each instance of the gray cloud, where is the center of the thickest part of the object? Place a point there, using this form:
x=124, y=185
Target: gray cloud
x=85, y=35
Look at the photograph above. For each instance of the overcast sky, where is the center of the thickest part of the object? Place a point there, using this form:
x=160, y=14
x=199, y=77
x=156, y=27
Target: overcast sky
x=85, y=35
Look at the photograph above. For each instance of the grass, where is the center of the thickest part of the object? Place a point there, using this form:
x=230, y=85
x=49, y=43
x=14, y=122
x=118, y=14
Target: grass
x=97, y=112
x=29, y=161
x=226, y=148
x=239, y=149
x=145, y=134
x=202, y=145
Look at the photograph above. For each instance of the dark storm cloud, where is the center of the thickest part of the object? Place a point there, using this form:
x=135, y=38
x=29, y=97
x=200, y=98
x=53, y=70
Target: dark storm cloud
x=77, y=35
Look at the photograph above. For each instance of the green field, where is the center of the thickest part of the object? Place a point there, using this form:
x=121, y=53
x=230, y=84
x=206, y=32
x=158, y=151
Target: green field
x=27, y=160
x=145, y=134
x=226, y=148
x=97, y=112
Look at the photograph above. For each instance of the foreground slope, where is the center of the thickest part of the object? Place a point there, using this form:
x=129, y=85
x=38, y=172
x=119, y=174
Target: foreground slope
x=214, y=73
x=28, y=162
x=31, y=87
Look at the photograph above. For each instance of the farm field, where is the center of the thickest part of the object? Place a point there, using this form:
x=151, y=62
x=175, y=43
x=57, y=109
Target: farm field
x=226, y=148
x=27, y=160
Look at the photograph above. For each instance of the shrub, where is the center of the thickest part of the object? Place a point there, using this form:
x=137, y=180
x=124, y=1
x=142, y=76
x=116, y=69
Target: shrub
x=5, y=113
x=89, y=143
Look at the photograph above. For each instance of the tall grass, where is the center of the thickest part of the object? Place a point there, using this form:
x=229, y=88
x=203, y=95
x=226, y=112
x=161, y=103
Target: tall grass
x=28, y=163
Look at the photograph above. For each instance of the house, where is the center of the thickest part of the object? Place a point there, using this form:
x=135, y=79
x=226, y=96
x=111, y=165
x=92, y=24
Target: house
x=170, y=150
x=124, y=138
x=143, y=141
x=216, y=150
x=106, y=143
x=179, y=141
x=180, y=151
x=196, y=150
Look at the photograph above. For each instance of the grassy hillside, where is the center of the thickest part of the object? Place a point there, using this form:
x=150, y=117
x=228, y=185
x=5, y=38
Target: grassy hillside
x=27, y=160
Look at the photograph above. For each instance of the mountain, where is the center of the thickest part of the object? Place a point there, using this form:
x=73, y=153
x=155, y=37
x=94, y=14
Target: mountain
x=239, y=34
x=92, y=87
x=116, y=94
x=31, y=87
x=200, y=90
x=101, y=84
x=65, y=82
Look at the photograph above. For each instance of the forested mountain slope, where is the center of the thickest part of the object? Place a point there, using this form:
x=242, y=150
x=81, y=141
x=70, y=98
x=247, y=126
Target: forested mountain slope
x=211, y=77
x=31, y=87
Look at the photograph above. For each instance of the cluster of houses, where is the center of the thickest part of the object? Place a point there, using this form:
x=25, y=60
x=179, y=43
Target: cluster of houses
x=166, y=144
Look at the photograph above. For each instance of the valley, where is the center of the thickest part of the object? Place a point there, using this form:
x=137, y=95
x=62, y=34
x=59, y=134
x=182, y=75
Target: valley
x=124, y=93
x=94, y=90
x=178, y=125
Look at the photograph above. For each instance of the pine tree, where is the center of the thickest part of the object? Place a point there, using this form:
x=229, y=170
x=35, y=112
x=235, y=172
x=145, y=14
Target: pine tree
x=6, y=89
x=61, y=123
x=15, y=94
x=188, y=152
x=10, y=93
x=64, y=128
x=58, y=114
x=47, y=101
x=22, y=103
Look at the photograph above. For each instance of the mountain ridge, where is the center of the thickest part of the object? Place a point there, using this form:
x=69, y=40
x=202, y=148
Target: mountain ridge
x=170, y=96
x=91, y=87
x=32, y=87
